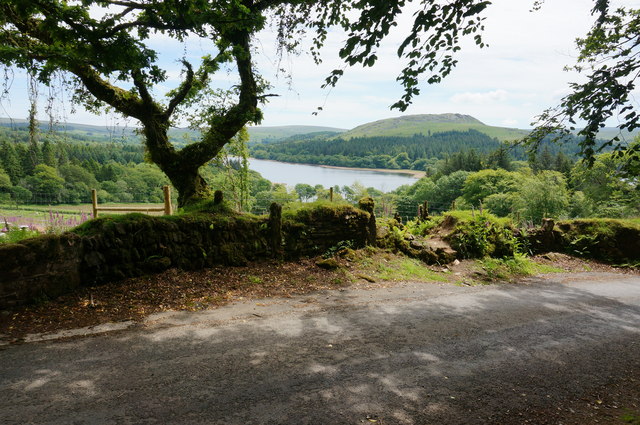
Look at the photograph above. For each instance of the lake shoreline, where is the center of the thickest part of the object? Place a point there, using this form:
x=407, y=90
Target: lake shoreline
x=413, y=173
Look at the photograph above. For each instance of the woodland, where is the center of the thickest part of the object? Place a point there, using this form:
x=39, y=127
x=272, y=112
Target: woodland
x=549, y=183
x=418, y=152
x=99, y=50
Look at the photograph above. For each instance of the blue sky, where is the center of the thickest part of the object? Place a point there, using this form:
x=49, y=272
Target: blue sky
x=506, y=84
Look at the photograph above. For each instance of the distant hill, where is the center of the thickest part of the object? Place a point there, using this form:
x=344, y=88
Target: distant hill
x=71, y=127
x=273, y=134
x=98, y=133
x=609, y=133
x=404, y=126
x=408, y=125
x=178, y=135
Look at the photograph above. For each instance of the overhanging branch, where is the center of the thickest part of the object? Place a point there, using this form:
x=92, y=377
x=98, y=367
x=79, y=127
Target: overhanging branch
x=223, y=128
x=183, y=90
x=122, y=100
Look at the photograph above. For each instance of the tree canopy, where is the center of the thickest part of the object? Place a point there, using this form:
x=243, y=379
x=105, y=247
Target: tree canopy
x=104, y=45
x=609, y=57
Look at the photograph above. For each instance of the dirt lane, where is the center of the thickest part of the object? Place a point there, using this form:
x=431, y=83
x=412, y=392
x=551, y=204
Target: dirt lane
x=411, y=354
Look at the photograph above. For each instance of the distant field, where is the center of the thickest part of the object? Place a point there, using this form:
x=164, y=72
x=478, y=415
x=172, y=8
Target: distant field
x=58, y=217
x=635, y=221
x=259, y=134
x=407, y=129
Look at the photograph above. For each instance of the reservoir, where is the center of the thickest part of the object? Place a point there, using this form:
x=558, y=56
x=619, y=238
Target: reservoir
x=292, y=174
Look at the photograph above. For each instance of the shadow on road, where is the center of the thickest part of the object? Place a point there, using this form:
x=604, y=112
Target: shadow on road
x=468, y=355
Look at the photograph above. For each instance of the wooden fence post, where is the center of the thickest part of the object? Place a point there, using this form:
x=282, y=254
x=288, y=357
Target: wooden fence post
x=167, y=199
x=425, y=210
x=94, y=202
x=218, y=197
x=331, y=194
x=274, y=228
x=397, y=217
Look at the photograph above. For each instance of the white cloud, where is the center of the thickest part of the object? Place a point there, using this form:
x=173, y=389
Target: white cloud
x=518, y=76
x=484, y=97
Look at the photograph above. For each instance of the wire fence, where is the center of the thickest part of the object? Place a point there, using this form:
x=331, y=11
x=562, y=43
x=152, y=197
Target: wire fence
x=55, y=212
x=154, y=196
x=403, y=208
x=409, y=209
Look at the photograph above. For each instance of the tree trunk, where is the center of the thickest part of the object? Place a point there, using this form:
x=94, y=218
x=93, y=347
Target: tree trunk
x=191, y=186
x=182, y=170
x=182, y=167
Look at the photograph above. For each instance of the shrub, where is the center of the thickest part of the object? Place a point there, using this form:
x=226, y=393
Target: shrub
x=500, y=204
x=14, y=235
x=482, y=235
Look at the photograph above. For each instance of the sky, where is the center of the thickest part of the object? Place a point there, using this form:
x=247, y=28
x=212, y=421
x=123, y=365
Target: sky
x=508, y=83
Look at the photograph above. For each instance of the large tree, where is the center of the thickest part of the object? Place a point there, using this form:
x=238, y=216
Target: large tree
x=609, y=60
x=104, y=46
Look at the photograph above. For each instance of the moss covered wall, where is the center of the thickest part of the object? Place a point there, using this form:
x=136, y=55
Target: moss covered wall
x=313, y=231
x=113, y=248
x=39, y=268
x=609, y=240
x=116, y=248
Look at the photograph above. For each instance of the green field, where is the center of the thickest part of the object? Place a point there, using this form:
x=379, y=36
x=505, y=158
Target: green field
x=259, y=134
x=58, y=217
x=409, y=125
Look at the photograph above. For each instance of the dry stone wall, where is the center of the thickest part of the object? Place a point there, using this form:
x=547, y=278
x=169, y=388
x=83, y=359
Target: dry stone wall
x=114, y=248
x=39, y=268
x=313, y=231
x=609, y=240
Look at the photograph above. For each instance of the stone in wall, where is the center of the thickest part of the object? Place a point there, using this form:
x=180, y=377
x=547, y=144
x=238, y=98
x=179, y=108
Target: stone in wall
x=39, y=269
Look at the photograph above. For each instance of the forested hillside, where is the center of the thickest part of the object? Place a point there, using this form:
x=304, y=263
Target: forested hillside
x=62, y=168
x=469, y=168
x=408, y=125
x=55, y=171
x=466, y=169
x=389, y=152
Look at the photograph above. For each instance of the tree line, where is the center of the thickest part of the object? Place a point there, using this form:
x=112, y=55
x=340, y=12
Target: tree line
x=529, y=191
x=417, y=152
x=54, y=171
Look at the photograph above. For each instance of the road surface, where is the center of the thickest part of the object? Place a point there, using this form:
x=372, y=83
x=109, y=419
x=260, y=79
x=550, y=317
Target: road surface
x=409, y=354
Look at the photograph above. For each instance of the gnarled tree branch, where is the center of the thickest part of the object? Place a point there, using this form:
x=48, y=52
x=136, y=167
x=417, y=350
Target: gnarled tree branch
x=183, y=90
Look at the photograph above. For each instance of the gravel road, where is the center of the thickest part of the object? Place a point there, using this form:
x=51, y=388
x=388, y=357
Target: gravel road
x=408, y=354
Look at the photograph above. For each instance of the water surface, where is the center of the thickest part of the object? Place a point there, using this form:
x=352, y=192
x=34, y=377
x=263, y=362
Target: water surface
x=292, y=174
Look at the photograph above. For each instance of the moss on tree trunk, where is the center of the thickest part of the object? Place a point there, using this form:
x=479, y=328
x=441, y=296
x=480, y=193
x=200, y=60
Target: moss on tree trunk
x=182, y=170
